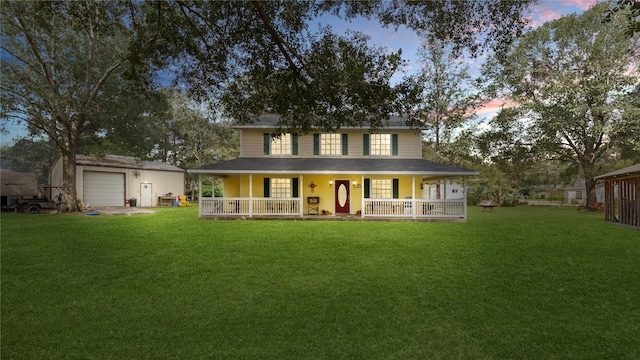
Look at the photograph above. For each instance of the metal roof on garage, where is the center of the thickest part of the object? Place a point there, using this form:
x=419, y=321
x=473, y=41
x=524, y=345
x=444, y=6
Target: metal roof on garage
x=125, y=162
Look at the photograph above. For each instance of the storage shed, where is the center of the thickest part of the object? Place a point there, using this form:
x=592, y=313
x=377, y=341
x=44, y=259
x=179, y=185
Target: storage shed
x=115, y=180
x=621, y=200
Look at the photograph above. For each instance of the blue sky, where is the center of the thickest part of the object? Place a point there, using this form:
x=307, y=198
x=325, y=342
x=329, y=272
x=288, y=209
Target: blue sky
x=409, y=41
x=406, y=40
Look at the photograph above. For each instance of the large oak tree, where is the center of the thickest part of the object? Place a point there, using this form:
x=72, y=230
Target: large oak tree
x=572, y=82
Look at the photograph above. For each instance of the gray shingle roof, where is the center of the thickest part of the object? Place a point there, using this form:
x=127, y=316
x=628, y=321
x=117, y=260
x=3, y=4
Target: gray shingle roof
x=332, y=166
x=270, y=121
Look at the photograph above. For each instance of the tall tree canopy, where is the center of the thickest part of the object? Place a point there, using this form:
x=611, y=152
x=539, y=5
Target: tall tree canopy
x=572, y=81
x=266, y=57
x=445, y=94
x=58, y=58
x=63, y=60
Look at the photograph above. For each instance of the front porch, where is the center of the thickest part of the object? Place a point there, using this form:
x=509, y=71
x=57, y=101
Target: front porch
x=333, y=188
x=374, y=209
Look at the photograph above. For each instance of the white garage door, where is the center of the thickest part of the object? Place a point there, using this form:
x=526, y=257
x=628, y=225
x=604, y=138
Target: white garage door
x=103, y=188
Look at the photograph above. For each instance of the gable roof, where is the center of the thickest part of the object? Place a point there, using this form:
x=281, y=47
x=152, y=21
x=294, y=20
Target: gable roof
x=270, y=121
x=371, y=166
x=125, y=162
x=628, y=171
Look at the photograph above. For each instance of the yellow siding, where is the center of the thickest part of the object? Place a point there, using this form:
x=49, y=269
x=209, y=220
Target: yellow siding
x=238, y=186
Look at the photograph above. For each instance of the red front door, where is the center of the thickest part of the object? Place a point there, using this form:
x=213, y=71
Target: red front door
x=342, y=196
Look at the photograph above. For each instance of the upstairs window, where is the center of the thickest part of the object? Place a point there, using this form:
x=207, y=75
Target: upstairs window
x=281, y=145
x=330, y=144
x=380, y=144
x=285, y=144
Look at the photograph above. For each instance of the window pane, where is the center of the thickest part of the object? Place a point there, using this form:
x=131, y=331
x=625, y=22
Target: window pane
x=380, y=144
x=281, y=188
x=381, y=188
x=330, y=144
x=281, y=145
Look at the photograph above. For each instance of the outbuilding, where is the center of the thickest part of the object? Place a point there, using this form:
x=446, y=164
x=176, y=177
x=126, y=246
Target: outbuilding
x=115, y=180
x=621, y=196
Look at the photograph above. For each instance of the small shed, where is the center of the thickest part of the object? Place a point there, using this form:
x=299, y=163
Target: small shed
x=621, y=200
x=18, y=184
x=114, y=180
x=15, y=185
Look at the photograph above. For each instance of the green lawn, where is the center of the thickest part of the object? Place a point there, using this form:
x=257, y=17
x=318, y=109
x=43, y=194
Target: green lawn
x=516, y=283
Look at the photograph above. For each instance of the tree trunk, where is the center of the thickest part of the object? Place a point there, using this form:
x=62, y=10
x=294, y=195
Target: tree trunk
x=69, y=196
x=590, y=185
x=589, y=170
x=69, y=148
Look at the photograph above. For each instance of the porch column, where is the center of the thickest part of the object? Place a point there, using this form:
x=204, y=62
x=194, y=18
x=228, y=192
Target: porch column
x=199, y=194
x=250, y=195
x=413, y=196
x=301, y=192
x=464, y=198
x=445, y=189
x=362, y=197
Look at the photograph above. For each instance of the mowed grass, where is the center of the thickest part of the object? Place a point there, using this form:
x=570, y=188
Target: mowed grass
x=516, y=283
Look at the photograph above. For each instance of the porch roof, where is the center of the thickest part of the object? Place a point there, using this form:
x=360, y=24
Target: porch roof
x=325, y=165
x=628, y=171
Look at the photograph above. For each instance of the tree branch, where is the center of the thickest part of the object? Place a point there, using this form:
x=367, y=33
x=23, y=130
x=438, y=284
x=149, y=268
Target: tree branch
x=280, y=43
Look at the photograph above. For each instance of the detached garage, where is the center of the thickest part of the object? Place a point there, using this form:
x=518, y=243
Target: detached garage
x=113, y=180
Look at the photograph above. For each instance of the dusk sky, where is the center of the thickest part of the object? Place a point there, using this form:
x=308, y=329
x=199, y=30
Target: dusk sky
x=409, y=42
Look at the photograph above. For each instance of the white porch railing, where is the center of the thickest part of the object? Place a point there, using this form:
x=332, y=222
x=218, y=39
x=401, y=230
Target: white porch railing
x=249, y=207
x=407, y=208
x=418, y=208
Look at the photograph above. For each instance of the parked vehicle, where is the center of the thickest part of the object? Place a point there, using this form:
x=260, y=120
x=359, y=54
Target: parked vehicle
x=20, y=192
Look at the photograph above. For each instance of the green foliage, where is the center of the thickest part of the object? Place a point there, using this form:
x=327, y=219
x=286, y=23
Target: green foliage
x=200, y=134
x=134, y=123
x=516, y=283
x=28, y=156
x=444, y=95
x=313, y=79
x=62, y=62
x=572, y=81
x=349, y=85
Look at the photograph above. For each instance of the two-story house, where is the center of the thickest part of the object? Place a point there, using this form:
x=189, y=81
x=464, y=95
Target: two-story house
x=353, y=172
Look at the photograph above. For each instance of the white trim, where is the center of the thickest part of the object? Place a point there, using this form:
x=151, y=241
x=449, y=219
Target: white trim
x=331, y=172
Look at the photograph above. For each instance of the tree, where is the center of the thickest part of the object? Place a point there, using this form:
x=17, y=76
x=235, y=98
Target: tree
x=444, y=95
x=312, y=79
x=133, y=123
x=58, y=58
x=443, y=99
x=571, y=80
x=27, y=155
x=633, y=19
x=200, y=136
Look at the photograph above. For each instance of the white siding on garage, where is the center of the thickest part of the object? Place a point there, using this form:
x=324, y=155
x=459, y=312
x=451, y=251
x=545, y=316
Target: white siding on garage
x=103, y=188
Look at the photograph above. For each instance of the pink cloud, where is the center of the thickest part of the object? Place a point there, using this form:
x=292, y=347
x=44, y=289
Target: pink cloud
x=493, y=106
x=548, y=15
x=581, y=4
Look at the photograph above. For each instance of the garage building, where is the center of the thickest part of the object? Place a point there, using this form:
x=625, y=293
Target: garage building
x=114, y=180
